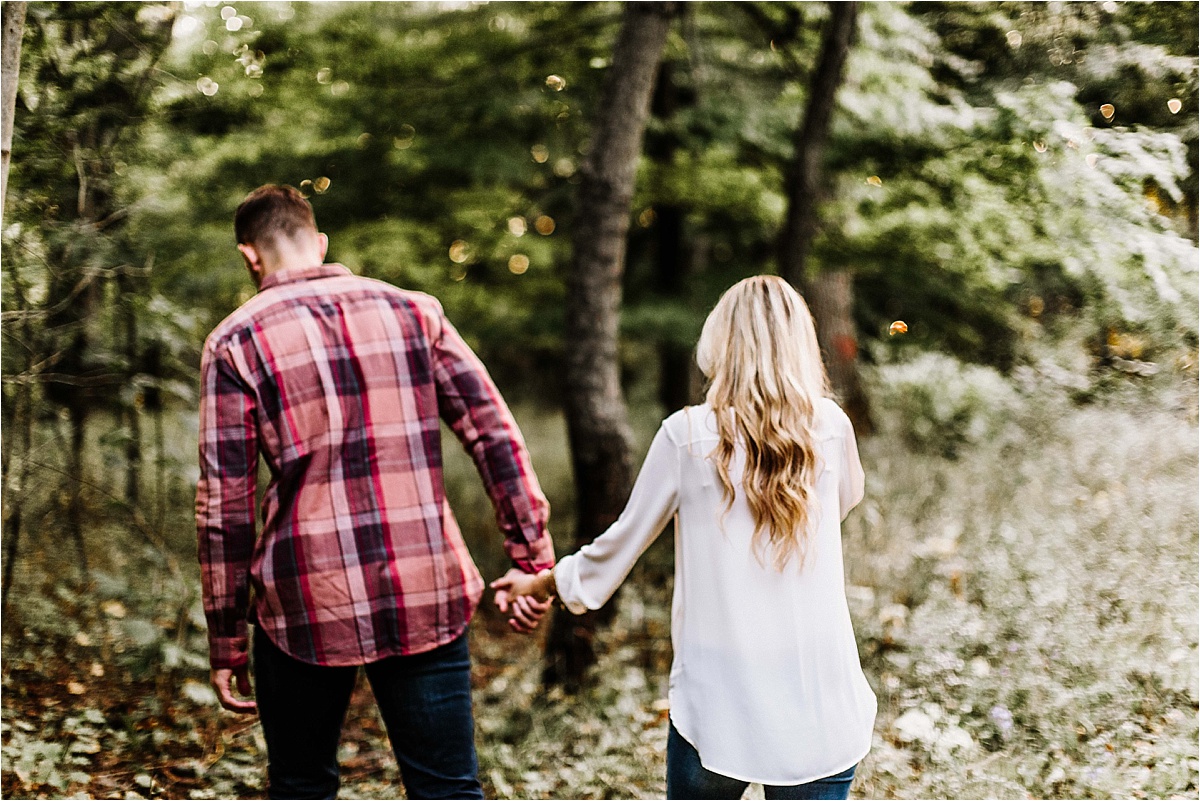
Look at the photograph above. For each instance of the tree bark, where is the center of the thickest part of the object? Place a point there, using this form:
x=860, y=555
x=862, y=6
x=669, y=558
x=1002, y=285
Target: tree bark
x=126, y=299
x=671, y=257
x=13, y=15
x=16, y=472
x=597, y=418
x=830, y=294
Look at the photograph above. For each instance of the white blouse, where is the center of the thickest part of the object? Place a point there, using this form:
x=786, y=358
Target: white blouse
x=766, y=682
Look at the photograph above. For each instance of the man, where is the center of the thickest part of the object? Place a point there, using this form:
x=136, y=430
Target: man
x=339, y=382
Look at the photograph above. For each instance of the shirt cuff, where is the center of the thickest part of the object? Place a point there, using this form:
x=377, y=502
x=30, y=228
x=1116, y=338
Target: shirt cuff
x=533, y=557
x=566, y=582
x=228, y=652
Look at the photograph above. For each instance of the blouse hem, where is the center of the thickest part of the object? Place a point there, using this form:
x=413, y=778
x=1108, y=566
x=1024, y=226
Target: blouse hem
x=773, y=782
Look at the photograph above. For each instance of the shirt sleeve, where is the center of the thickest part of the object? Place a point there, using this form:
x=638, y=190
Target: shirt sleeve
x=587, y=579
x=225, y=497
x=852, y=482
x=470, y=404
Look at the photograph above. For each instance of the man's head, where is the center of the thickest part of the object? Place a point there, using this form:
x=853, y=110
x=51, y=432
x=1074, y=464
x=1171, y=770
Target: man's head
x=275, y=229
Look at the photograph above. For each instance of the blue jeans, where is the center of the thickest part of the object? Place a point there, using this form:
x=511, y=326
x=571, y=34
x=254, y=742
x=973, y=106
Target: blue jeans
x=687, y=778
x=425, y=702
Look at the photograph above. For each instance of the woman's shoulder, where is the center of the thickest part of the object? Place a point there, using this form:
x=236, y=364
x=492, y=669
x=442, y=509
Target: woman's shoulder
x=690, y=424
x=831, y=420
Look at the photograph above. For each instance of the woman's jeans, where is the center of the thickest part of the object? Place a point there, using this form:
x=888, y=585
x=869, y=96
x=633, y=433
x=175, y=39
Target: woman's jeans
x=687, y=778
x=425, y=701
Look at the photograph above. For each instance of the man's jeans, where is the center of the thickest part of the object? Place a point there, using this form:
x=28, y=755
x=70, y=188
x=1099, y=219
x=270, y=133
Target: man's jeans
x=687, y=778
x=425, y=701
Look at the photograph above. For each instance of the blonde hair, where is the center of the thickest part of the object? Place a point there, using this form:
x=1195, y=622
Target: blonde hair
x=759, y=351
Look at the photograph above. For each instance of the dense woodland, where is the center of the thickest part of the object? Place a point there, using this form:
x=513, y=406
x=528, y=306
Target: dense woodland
x=578, y=183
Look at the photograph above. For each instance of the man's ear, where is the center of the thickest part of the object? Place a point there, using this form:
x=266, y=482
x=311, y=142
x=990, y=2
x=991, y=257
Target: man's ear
x=254, y=262
x=324, y=240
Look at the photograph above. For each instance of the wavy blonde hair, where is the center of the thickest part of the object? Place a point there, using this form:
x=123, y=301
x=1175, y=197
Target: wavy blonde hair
x=759, y=351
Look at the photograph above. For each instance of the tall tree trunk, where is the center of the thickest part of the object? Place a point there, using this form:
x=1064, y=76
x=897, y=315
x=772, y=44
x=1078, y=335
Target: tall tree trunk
x=78, y=415
x=126, y=293
x=830, y=294
x=13, y=16
x=16, y=472
x=671, y=258
x=597, y=419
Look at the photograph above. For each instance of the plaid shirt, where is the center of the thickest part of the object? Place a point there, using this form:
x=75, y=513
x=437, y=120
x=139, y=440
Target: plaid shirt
x=339, y=381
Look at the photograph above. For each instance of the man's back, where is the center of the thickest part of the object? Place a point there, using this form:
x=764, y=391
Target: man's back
x=340, y=381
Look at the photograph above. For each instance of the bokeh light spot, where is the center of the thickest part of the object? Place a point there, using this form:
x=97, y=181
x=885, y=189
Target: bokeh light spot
x=875, y=180
x=898, y=327
x=228, y=12
x=207, y=86
x=544, y=225
x=1108, y=111
x=540, y=153
x=404, y=139
x=321, y=185
x=518, y=263
x=564, y=168
x=646, y=218
x=460, y=251
x=1039, y=146
x=233, y=24
x=516, y=226
x=1014, y=39
x=1174, y=105
x=556, y=82
x=324, y=75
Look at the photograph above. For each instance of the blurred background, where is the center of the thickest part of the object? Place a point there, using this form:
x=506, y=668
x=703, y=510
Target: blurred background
x=1015, y=182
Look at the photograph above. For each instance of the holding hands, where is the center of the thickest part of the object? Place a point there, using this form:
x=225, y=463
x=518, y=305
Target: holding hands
x=525, y=597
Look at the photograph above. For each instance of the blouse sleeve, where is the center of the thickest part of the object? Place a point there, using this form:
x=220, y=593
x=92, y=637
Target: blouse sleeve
x=852, y=482
x=588, y=578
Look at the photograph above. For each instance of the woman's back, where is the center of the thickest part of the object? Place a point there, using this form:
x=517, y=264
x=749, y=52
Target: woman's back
x=766, y=681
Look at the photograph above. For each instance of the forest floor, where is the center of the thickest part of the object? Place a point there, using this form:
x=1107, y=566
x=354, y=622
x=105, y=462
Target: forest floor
x=1026, y=612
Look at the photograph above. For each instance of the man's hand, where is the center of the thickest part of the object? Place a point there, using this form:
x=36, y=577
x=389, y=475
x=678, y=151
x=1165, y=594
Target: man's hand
x=516, y=596
x=223, y=680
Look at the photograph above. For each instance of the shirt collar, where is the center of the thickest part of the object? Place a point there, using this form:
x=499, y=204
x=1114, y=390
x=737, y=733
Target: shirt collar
x=292, y=274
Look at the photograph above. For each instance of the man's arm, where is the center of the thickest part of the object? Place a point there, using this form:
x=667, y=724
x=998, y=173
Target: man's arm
x=225, y=528
x=471, y=405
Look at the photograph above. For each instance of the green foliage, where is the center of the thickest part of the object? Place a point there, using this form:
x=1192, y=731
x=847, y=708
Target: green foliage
x=939, y=404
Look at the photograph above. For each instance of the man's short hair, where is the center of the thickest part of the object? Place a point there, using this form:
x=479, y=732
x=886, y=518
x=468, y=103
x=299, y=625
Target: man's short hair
x=272, y=212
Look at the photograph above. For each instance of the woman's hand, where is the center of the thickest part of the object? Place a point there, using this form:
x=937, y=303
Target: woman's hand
x=524, y=596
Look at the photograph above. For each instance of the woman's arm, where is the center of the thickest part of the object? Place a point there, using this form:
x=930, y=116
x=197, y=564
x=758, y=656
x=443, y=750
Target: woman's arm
x=587, y=579
x=852, y=482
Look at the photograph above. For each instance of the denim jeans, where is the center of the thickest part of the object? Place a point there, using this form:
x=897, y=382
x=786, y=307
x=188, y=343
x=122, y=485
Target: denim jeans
x=425, y=702
x=687, y=778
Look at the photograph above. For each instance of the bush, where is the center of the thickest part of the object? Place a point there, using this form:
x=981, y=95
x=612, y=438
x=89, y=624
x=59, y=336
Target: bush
x=938, y=404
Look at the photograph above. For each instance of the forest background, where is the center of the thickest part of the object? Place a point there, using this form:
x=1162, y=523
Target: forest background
x=1016, y=182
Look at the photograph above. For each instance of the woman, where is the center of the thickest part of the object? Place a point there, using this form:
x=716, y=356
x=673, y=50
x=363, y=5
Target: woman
x=766, y=684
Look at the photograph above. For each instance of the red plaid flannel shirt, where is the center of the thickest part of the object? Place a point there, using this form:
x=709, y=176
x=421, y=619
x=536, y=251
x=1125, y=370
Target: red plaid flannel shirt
x=339, y=382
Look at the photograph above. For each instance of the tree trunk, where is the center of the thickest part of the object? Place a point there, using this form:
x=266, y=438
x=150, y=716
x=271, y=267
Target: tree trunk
x=75, y=468
x=16, y=465
x=13, y=14
x=830, y=295
x=670, y=251
x=126, y=292
x=597, y=419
